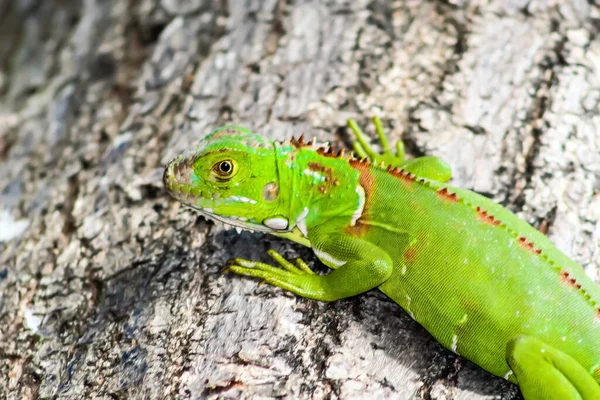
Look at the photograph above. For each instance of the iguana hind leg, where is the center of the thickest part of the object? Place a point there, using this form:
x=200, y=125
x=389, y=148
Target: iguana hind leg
x=427, y=166
x=544, y=372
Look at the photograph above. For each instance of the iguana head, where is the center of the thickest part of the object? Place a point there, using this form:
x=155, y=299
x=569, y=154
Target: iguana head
x=230, y=176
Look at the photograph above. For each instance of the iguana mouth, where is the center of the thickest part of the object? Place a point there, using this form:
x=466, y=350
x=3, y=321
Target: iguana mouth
x=233, y=221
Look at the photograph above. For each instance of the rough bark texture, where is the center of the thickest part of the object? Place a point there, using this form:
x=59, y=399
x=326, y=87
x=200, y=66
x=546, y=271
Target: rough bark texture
x=110, y=290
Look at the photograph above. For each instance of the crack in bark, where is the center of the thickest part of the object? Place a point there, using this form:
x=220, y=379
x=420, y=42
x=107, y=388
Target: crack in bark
x=535, y=117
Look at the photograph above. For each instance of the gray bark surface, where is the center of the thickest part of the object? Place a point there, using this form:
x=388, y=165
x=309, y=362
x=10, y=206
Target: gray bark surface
x=108, y=289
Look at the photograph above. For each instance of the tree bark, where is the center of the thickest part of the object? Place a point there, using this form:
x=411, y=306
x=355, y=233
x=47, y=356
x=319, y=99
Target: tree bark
x=110, y=290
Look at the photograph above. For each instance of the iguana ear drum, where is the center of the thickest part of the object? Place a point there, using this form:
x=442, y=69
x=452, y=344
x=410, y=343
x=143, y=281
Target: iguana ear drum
x=270, y=191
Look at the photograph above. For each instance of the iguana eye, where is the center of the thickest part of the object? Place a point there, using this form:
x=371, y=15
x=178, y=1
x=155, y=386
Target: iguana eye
x=224, y=168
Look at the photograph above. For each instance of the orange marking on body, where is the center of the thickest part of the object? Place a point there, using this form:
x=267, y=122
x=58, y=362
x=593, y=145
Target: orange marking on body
x=313, y=166
x=367, y=182
x=446, y=195
x=402, y=174
x=527, y=245
x=329, y=180
x=410, y=254
x=483, y=216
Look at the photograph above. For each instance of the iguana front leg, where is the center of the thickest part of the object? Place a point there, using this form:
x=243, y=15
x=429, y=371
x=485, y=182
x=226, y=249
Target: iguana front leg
x=359, y=267
x=427, y=166
x=545, y=373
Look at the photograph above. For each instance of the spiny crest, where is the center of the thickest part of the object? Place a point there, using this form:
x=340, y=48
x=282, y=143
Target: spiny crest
x=487, y=218
x=401, y=173
x=299, y=143
x=566, y=277
x=329, y=151
x=323, y=150
x=527, y=245
x=358, y=161
x=483, y=216
x=446, y=195
x=569, y=280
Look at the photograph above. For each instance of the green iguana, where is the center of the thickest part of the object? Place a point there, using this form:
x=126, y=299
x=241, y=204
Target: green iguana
x=483, y=282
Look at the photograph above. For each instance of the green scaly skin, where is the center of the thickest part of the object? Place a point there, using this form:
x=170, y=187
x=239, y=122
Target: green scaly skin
x=483, y=282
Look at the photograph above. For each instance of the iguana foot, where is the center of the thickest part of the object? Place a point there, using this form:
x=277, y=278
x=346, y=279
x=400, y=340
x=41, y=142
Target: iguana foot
x=363, y=149
x=296, y=277
x=427, y=166
x=544, y=372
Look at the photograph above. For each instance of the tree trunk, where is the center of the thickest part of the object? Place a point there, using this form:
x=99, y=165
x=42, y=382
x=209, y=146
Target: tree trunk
x=110, y=290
